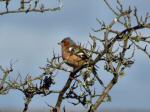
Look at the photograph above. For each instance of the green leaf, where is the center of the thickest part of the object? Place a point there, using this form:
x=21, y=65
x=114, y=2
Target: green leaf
x=138, y=39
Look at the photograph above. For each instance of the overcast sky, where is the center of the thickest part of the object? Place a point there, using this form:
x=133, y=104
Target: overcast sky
x=31, y=38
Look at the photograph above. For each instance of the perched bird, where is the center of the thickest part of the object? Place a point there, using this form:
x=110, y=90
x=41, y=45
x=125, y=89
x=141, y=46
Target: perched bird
x=75, y=56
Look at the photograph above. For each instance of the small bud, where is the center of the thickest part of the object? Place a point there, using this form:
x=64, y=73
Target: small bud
x=83, y=84
x=88, y=79
x=81, y=94
x=115, y=20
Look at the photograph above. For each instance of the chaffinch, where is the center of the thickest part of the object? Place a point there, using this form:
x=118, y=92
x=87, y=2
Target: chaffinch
x=75, y=56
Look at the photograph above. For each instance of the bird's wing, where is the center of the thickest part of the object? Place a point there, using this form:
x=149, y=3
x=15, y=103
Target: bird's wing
x=77, y=50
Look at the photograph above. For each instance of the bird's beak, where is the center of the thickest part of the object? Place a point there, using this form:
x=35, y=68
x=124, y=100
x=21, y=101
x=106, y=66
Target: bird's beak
x=59, y=43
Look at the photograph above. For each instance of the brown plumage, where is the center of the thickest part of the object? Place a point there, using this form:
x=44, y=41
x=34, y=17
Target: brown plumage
x=72, y=53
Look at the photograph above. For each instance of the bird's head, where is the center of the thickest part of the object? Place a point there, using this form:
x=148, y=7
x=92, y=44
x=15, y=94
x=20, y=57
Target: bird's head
x=67, y=42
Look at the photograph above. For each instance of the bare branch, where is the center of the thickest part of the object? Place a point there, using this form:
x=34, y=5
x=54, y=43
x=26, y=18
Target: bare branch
x=29, y=6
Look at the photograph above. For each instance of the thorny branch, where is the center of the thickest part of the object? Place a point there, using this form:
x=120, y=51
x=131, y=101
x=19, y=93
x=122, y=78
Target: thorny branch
x=117, y=50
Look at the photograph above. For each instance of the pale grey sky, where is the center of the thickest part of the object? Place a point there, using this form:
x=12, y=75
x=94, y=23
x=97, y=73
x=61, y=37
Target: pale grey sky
x=31, y=38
